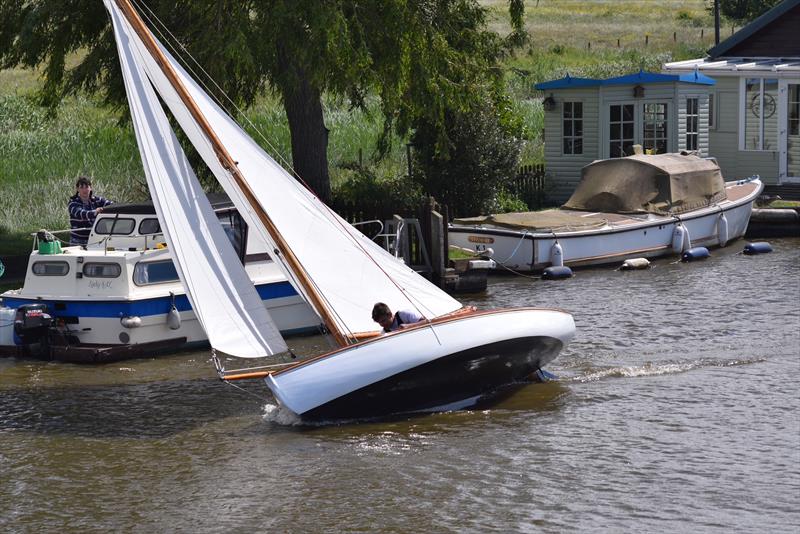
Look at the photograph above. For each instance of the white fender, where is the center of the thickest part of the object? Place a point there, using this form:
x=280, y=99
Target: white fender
x=722, y=229
x=678, y=238
x=173, y=319
x=556, y=255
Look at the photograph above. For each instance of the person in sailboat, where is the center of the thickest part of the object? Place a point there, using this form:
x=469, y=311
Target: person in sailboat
x=382, y=314
x=83, y=207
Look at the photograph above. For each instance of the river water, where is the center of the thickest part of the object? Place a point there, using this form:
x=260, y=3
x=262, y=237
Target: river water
x=677, y=408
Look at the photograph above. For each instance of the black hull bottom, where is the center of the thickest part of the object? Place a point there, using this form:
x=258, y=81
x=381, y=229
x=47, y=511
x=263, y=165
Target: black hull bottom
x=455, y=381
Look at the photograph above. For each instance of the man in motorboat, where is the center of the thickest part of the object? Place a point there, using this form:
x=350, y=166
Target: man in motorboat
x=382, y=314
x=84, y=206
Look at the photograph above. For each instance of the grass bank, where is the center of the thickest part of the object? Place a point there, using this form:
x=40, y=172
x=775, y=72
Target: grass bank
x=42, y=155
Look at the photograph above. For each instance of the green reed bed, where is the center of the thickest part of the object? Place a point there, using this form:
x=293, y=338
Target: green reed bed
x=40, y=156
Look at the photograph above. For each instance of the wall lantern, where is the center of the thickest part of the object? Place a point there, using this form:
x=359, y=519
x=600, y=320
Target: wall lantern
x=549, y=103
x=638, y=91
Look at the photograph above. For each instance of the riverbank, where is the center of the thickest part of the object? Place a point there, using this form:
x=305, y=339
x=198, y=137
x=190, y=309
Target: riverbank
x=600, y=39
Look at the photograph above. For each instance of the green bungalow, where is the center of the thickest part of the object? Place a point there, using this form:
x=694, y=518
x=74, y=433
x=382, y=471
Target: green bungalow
x=588, y=119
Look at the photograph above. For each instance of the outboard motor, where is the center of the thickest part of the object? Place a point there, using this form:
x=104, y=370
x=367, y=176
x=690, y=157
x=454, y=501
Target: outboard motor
x=32, y=323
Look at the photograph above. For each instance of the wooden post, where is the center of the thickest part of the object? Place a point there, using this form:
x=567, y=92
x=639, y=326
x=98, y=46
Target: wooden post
x=617, y=43
x=646, y=39
x=674, y=37
x=436, y=243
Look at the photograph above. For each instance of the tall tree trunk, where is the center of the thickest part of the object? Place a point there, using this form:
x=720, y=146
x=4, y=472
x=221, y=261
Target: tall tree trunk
x=303, y=104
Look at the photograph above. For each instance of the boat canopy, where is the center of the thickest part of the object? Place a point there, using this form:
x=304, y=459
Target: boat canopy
x=661, y=184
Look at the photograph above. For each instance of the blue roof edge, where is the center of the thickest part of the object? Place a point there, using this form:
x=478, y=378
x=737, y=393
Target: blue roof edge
x=640, y=77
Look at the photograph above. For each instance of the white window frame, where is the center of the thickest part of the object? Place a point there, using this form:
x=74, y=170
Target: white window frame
x=696, y=115
x=638, y=120
x=573, y=120
x=743, y=105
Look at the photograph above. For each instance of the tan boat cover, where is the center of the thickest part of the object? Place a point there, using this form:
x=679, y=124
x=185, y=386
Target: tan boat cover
x=662, y=184
x=557, y=220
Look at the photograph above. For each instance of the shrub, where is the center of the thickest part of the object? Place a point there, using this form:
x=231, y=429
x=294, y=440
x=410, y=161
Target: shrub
x=467, y=166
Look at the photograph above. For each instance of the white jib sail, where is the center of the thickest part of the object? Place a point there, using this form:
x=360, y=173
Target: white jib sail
x=349, y=270
x=221, y=293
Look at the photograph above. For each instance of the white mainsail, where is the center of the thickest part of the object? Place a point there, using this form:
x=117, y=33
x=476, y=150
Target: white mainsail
x=348, y=270
x=220, y=291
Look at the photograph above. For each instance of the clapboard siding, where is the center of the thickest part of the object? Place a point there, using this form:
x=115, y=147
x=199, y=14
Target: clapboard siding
x=564, y=170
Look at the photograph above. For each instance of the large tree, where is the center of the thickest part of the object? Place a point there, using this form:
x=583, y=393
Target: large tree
x=743, y=11
x=421, y=57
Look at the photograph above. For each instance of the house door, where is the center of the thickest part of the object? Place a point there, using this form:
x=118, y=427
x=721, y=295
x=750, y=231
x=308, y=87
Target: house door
x=644, y=123
x=789, y=131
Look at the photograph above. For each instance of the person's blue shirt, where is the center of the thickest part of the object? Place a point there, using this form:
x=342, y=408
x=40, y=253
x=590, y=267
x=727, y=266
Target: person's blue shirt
x=82, y=214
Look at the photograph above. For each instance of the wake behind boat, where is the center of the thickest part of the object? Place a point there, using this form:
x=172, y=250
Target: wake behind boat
x=457, y=357
x=631, y=207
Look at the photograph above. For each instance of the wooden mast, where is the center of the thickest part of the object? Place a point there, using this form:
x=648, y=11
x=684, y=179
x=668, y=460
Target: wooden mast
x=229, y=164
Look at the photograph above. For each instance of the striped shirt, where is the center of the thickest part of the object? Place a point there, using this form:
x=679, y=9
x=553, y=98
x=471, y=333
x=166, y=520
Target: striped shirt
x=82, y=216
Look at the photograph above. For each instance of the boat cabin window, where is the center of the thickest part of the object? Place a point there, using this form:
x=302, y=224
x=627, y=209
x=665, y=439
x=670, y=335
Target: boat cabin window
x=149, y=226
x=154, y=272
x=50, y=268
x=102, y=270
x=236, y=230
x=114, y=226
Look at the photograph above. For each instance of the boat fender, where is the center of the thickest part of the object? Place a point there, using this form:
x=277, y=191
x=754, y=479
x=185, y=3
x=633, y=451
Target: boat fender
x=759, y=247
x=696, y=253
x=722, y=230
x=557, y=255
x=678, y=236
x=556, y=273
x=680, y=239
x=131, y=321
x=635, y=264
x=173, y=318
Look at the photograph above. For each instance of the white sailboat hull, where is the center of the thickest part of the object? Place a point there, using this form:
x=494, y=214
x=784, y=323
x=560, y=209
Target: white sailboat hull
x=647, y=236
x=452, y=363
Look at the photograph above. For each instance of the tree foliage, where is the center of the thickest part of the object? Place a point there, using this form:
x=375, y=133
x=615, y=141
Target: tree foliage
x=425, y=59
x=743, y=11
x=472, y=174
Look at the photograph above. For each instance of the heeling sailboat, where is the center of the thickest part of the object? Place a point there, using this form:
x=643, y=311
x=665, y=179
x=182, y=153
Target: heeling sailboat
x=457, y=357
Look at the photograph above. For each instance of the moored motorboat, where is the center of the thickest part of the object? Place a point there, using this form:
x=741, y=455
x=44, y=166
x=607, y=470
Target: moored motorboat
x=642, y=206
x=120, y=297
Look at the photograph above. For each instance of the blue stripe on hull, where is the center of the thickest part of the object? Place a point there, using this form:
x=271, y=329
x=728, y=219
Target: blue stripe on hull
x=140, y=308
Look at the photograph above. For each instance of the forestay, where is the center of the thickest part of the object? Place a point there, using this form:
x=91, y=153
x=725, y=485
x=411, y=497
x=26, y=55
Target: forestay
x=349, y=271
x=220, y=291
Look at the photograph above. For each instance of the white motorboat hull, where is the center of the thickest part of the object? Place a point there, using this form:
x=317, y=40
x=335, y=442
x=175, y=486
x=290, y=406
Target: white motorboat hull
x=448, y=364
x=648, y=237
